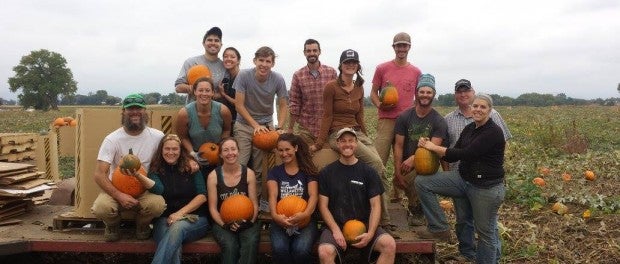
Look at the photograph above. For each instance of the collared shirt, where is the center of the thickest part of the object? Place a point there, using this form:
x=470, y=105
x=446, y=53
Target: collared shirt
x=457, y=121
x=306, y=96
x=342, y=109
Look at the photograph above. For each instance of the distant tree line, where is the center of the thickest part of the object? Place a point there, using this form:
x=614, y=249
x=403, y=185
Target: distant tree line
x=101, y=97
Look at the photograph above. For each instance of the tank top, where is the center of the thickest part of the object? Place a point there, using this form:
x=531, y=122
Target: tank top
x=197, y=133
x=224, y=191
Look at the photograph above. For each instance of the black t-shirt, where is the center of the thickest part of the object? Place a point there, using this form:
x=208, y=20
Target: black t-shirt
x=349, y=189
x=412, y=127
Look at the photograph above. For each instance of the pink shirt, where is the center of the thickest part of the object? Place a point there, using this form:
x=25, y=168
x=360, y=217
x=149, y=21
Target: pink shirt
x=404, y=78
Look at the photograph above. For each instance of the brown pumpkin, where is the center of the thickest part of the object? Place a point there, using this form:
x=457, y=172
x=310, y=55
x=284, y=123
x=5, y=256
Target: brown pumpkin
x=58, y=122
x=128, y=184
x=425, y=162
x=292, y=204
x=389, y=95
x=266, y=141
x=130, y=161
x=210, y=151
x=235, y=208
x=196, y=72
x=352, y=229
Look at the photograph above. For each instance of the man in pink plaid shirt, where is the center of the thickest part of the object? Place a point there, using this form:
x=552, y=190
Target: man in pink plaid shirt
x=306, y=93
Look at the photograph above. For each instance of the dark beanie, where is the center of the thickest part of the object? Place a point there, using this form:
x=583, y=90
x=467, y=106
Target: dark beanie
x=426, y=80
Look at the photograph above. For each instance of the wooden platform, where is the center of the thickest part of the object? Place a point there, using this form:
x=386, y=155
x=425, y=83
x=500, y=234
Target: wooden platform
x=42, y=231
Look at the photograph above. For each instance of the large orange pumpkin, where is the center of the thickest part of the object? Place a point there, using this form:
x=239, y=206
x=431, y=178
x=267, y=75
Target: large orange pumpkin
x=128, y=184
x=291, y=205
x=130, y=161
x=196, y=72
x=389, y=95
x=235, y=208
x=58, y=122
x=352, y=229
x=210, y=151
x=266, y=141
x=425, y=162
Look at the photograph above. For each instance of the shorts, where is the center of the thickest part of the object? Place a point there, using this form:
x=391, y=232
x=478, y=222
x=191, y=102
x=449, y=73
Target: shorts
x=367, y=252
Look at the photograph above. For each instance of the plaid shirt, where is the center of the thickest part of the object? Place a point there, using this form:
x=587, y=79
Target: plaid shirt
x=306, y=96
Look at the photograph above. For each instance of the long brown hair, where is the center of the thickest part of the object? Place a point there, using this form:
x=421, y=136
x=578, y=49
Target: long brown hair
x=302, y=155
x=158, y=163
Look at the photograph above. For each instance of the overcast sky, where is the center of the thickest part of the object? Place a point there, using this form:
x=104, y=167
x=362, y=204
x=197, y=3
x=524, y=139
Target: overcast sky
x=126, y=46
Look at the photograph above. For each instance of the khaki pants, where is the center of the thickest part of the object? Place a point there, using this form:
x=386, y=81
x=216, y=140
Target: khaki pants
x=109, y=210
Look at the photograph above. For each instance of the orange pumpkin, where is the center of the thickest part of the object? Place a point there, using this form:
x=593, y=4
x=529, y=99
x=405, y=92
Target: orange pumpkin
x=130, y=161
x=425, y=162
x=210, y=151
x=128, y=184
x=196, y=72
x=266, y=141
x=73, y=123
x=589, y=175
x=539, y=181
x=67, y=119
x=292, y=204
x=235, y=208
x=389, y=95
x=352, y=229
x=58, y=122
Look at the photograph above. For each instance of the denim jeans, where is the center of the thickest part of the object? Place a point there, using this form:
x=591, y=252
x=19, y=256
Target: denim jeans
x=170, y=238
x=241, y=247
x=471, y=202
x=293, y=249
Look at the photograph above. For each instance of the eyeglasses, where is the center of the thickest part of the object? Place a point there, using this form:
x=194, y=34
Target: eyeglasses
x=134, y=100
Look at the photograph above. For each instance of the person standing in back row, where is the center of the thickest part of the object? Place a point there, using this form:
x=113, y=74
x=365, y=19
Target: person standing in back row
x=306, y=94
x=403, y=75
x=212, y=43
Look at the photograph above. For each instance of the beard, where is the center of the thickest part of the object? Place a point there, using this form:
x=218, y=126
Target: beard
x=418, y=102
x=133, y=127
x=312, y=59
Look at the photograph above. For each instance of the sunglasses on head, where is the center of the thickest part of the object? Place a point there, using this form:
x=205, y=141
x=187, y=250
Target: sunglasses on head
x=132, y=100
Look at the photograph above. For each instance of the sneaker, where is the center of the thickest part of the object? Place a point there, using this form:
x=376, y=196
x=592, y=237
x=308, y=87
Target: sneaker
x=415, y=220
x=111, y=233
x=143, y=232
x=443, y=236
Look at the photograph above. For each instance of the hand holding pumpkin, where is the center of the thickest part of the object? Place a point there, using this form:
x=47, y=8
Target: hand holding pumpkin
x=198, y=157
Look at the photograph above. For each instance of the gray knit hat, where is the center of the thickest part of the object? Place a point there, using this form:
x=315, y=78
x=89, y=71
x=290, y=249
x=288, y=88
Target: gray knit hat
x=427, y=80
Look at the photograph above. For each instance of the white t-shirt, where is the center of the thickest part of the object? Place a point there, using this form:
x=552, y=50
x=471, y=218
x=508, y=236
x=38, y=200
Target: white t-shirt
x=117, y=144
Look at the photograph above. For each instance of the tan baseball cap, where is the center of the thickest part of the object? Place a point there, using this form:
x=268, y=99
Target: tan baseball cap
x=402, y=38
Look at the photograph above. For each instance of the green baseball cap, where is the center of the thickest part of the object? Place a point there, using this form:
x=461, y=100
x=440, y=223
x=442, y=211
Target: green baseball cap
x=134, y=100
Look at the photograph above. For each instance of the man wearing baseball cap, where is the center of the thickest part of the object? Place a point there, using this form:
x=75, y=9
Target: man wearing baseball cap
x=142, y=140
x=403, y=75
x=350, y=189
x=212, y=43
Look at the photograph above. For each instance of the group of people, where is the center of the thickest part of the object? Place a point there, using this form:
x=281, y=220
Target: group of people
x=326, y=110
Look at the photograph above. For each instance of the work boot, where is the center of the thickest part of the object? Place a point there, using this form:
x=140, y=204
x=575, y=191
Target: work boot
x=143, y=232
x=111, y=233
x=443, y=236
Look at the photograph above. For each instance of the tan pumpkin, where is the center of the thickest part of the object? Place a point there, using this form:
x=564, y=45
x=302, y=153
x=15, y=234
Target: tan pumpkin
x=210, y=151
x=236, y=208
x=266, y=141
x=130, y=161
x=425, y=162
x=128, y=184
x=352, y=229
x=196, y=72
x=292, y=204
x=389, y=95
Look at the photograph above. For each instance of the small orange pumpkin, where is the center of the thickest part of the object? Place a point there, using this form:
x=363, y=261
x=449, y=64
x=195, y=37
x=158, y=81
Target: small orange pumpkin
x=389, y=95
x=196, y=72
x=589, y=175
x=58, y=122
x=266, y=141
x=73, y=123
x=130, y=161
x=68, y=119
x=210, y=151
x=539, y=181
x=235, y=208
x=128, y=184
x=292, y=204
x=352, y=229
x=425, y=162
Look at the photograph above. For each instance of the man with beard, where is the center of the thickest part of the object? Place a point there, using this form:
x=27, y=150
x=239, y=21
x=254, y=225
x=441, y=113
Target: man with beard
x=306, y=93
x=143, y=141
x=212, y=43
x=403, y=75
x=349, y=189
x=420, y=121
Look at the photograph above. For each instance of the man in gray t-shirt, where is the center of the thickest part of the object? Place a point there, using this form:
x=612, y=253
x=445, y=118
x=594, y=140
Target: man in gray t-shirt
x=212, y=43
x=256, y=90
